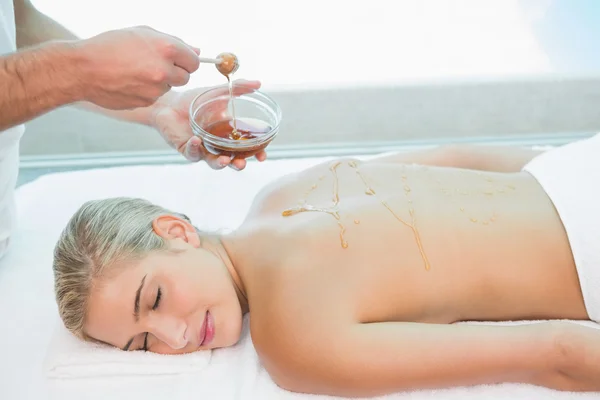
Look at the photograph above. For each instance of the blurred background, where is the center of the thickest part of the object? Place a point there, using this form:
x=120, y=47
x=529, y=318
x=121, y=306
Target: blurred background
x=356, y=76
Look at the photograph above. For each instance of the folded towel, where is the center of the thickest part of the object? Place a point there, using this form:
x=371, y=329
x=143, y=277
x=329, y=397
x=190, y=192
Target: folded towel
x=69, y=357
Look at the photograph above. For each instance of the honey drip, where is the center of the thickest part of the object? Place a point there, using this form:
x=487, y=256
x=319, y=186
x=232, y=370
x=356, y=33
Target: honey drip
x=412, y=225
x=235, y=135
x=333, y=210
x=369, y=191
x=336, y=193
x=488, y=192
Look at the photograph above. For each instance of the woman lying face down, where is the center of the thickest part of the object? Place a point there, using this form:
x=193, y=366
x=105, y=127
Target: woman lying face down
x=355, y=274
x=146, y=266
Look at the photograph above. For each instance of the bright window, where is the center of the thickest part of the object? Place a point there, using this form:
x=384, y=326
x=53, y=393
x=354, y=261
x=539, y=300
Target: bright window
x=348, y=71
x=336, y=42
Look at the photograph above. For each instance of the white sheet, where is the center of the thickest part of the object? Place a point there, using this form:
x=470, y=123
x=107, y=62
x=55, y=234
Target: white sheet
x=28, y=311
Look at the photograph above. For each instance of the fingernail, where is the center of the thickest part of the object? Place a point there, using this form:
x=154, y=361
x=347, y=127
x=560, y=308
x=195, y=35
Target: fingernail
x=233, y=166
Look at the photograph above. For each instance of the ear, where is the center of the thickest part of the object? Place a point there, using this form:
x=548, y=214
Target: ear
x=170, y=227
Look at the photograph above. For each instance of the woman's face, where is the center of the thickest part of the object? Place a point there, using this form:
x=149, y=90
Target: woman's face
x=176, y=301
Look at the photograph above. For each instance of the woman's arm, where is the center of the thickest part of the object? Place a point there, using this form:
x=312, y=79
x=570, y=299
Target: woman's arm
x=379, y=358
x=478, y=157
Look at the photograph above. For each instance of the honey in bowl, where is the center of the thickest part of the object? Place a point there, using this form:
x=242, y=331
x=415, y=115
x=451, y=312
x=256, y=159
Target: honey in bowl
x=256, y=121
x=240, y=129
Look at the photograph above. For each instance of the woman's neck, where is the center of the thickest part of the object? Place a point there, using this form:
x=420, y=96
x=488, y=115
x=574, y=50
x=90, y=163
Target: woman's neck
x=225, y=251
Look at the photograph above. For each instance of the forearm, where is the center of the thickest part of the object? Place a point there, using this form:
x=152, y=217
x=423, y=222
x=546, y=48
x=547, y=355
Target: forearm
x=38, y=80
x=378, y=359
x=35, y=27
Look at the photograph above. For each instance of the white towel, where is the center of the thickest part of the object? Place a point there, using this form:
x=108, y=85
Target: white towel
x=576, y=202
x=71, y=358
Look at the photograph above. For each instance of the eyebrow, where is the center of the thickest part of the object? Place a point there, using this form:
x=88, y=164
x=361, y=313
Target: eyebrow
x=136, y=310
x=136, y=303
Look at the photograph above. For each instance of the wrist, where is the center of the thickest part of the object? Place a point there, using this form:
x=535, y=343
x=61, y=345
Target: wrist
x=165, y=101
x=143, y=115
x=563, y=346
x=83, y=67
x=63, y=63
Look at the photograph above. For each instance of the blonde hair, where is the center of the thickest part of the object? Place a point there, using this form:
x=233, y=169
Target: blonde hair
x=100, y=234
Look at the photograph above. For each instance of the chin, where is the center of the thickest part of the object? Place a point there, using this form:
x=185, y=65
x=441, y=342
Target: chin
x=231, y=333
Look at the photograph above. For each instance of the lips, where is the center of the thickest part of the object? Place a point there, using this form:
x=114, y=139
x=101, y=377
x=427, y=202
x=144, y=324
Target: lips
x=207, y=331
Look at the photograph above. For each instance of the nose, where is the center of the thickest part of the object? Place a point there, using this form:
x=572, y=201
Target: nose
x=169, y=330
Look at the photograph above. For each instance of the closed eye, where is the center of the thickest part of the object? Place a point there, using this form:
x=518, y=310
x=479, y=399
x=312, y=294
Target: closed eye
x=154, y=307
x=145, y=346
x=157, y=301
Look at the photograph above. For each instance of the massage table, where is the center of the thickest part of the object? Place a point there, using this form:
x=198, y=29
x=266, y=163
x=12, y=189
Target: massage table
x=40, y=360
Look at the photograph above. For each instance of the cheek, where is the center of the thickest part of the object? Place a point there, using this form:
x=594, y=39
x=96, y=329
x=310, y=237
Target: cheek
x=183, y=297
x=197, y=288
x=199, y=283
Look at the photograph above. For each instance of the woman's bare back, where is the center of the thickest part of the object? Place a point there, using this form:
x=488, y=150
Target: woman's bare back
x=356, y=271
x=394, y=242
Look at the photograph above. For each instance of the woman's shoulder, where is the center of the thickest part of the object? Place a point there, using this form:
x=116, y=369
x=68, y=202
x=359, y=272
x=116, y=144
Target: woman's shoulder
x=281, y=326
x=290, y=304
x=277, y=194
x=289, y=329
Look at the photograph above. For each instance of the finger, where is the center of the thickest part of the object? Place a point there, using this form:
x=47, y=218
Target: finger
x=177, y=133
x=261, y=156
x=178, y=77
x=242, y=86
x=193, y=149
x=194, y=48
x=217, y=162
x=183, y=55
x=238, y=164
x=248, y=82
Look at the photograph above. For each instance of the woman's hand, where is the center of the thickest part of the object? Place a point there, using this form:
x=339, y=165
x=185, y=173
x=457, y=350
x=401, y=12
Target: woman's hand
x=578, y=353
x=170, y=117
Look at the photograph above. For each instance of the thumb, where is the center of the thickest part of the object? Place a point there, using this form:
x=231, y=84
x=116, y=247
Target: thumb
x=193, y=149
x=196, y=50
x=178, y=134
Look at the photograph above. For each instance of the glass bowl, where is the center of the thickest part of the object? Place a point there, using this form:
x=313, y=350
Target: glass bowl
x=257, y=118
